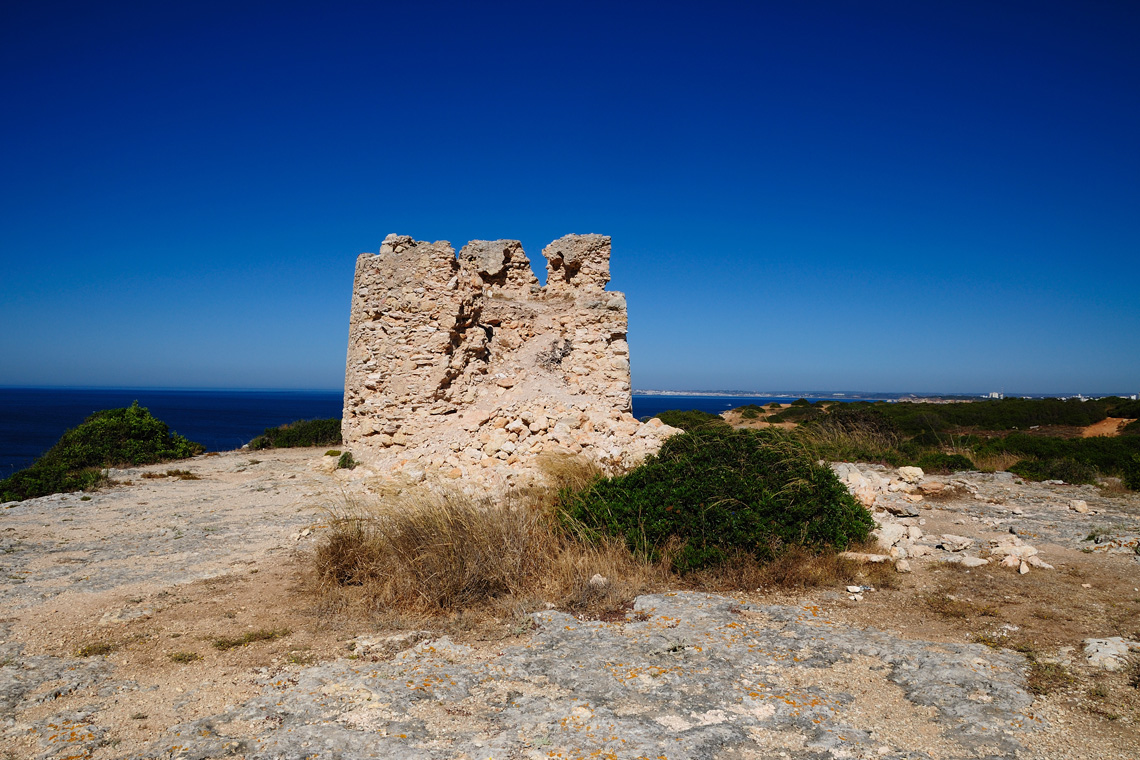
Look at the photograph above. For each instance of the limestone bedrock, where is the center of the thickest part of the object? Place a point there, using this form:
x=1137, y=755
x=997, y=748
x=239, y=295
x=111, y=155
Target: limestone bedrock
x=466, y=367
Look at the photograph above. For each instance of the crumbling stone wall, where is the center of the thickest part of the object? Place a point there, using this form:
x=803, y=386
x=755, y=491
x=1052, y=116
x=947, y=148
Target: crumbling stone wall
x=468, y=366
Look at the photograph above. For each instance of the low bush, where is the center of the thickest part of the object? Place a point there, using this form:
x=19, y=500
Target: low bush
x=1123, y=407
x=346, y=461
x=713, y=492
x=1068, y=470
x=944, y=464
x=110, y=438
x=750, y=411
x=298, y=434
x=796, y=414
x=1104, y=455
x=1130, y=474
x=691, y=420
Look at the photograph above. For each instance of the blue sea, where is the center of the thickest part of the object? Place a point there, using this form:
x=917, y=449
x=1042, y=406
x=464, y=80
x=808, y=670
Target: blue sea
x=33, y=419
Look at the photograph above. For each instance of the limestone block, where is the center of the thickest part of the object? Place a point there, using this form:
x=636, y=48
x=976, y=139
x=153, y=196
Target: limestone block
x=890, y=534
x=1110, y=654
x=911, y=474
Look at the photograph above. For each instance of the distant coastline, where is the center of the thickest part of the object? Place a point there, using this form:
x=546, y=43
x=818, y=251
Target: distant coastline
x=868, y=396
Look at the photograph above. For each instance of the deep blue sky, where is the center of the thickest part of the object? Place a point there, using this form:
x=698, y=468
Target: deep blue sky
x=894, y=196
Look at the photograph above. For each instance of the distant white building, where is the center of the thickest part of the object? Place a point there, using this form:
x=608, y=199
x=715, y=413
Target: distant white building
x=995, y=394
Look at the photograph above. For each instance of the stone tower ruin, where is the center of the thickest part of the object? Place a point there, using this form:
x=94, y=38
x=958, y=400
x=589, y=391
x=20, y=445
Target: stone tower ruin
x=469, y=367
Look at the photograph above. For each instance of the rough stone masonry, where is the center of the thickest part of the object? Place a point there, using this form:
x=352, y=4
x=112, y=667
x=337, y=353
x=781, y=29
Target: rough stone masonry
x=468, y=368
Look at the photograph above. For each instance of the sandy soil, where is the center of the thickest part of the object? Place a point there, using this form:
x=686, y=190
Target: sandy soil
x=1110, y=426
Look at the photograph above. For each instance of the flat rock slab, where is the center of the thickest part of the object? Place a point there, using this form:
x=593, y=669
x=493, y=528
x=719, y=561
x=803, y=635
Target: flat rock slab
x=688, y=675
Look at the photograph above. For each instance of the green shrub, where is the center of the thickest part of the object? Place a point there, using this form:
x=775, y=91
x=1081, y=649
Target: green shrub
x=1108, y=456
x=801, y=402
x=797, y=414
x=1068, y=470
x=691, y=420
x=750, y=411
x=299, y=433
x=110, y=438
x=1130, y=475
x=1122, y=407
x=936, y=461
x=346, y=461
x=927, y=438
x=717, y=491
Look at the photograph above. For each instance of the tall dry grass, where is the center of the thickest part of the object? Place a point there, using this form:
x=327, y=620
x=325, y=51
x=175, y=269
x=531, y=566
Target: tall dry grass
x=851, y=439
x=999, y=461
x=796, y=570
x=419, y=551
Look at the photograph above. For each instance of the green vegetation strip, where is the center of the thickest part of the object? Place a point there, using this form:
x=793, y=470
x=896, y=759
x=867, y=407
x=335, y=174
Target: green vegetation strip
x=1033, y=438
x=111, y=438
x=299, y=434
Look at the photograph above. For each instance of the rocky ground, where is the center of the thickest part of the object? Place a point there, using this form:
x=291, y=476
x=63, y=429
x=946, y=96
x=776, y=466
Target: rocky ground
x=171, y=617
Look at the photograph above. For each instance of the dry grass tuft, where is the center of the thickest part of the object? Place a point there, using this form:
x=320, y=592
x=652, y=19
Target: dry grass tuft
x=1046, y=677
x=96, y=649
x=795, y=569
x=947, y=605
x=263, y=634
x=999, y=461
x=568, y=471
x=1112, y=487
x=949, y=493
x=419, y=552
x=849, y=443
x=180, y=474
